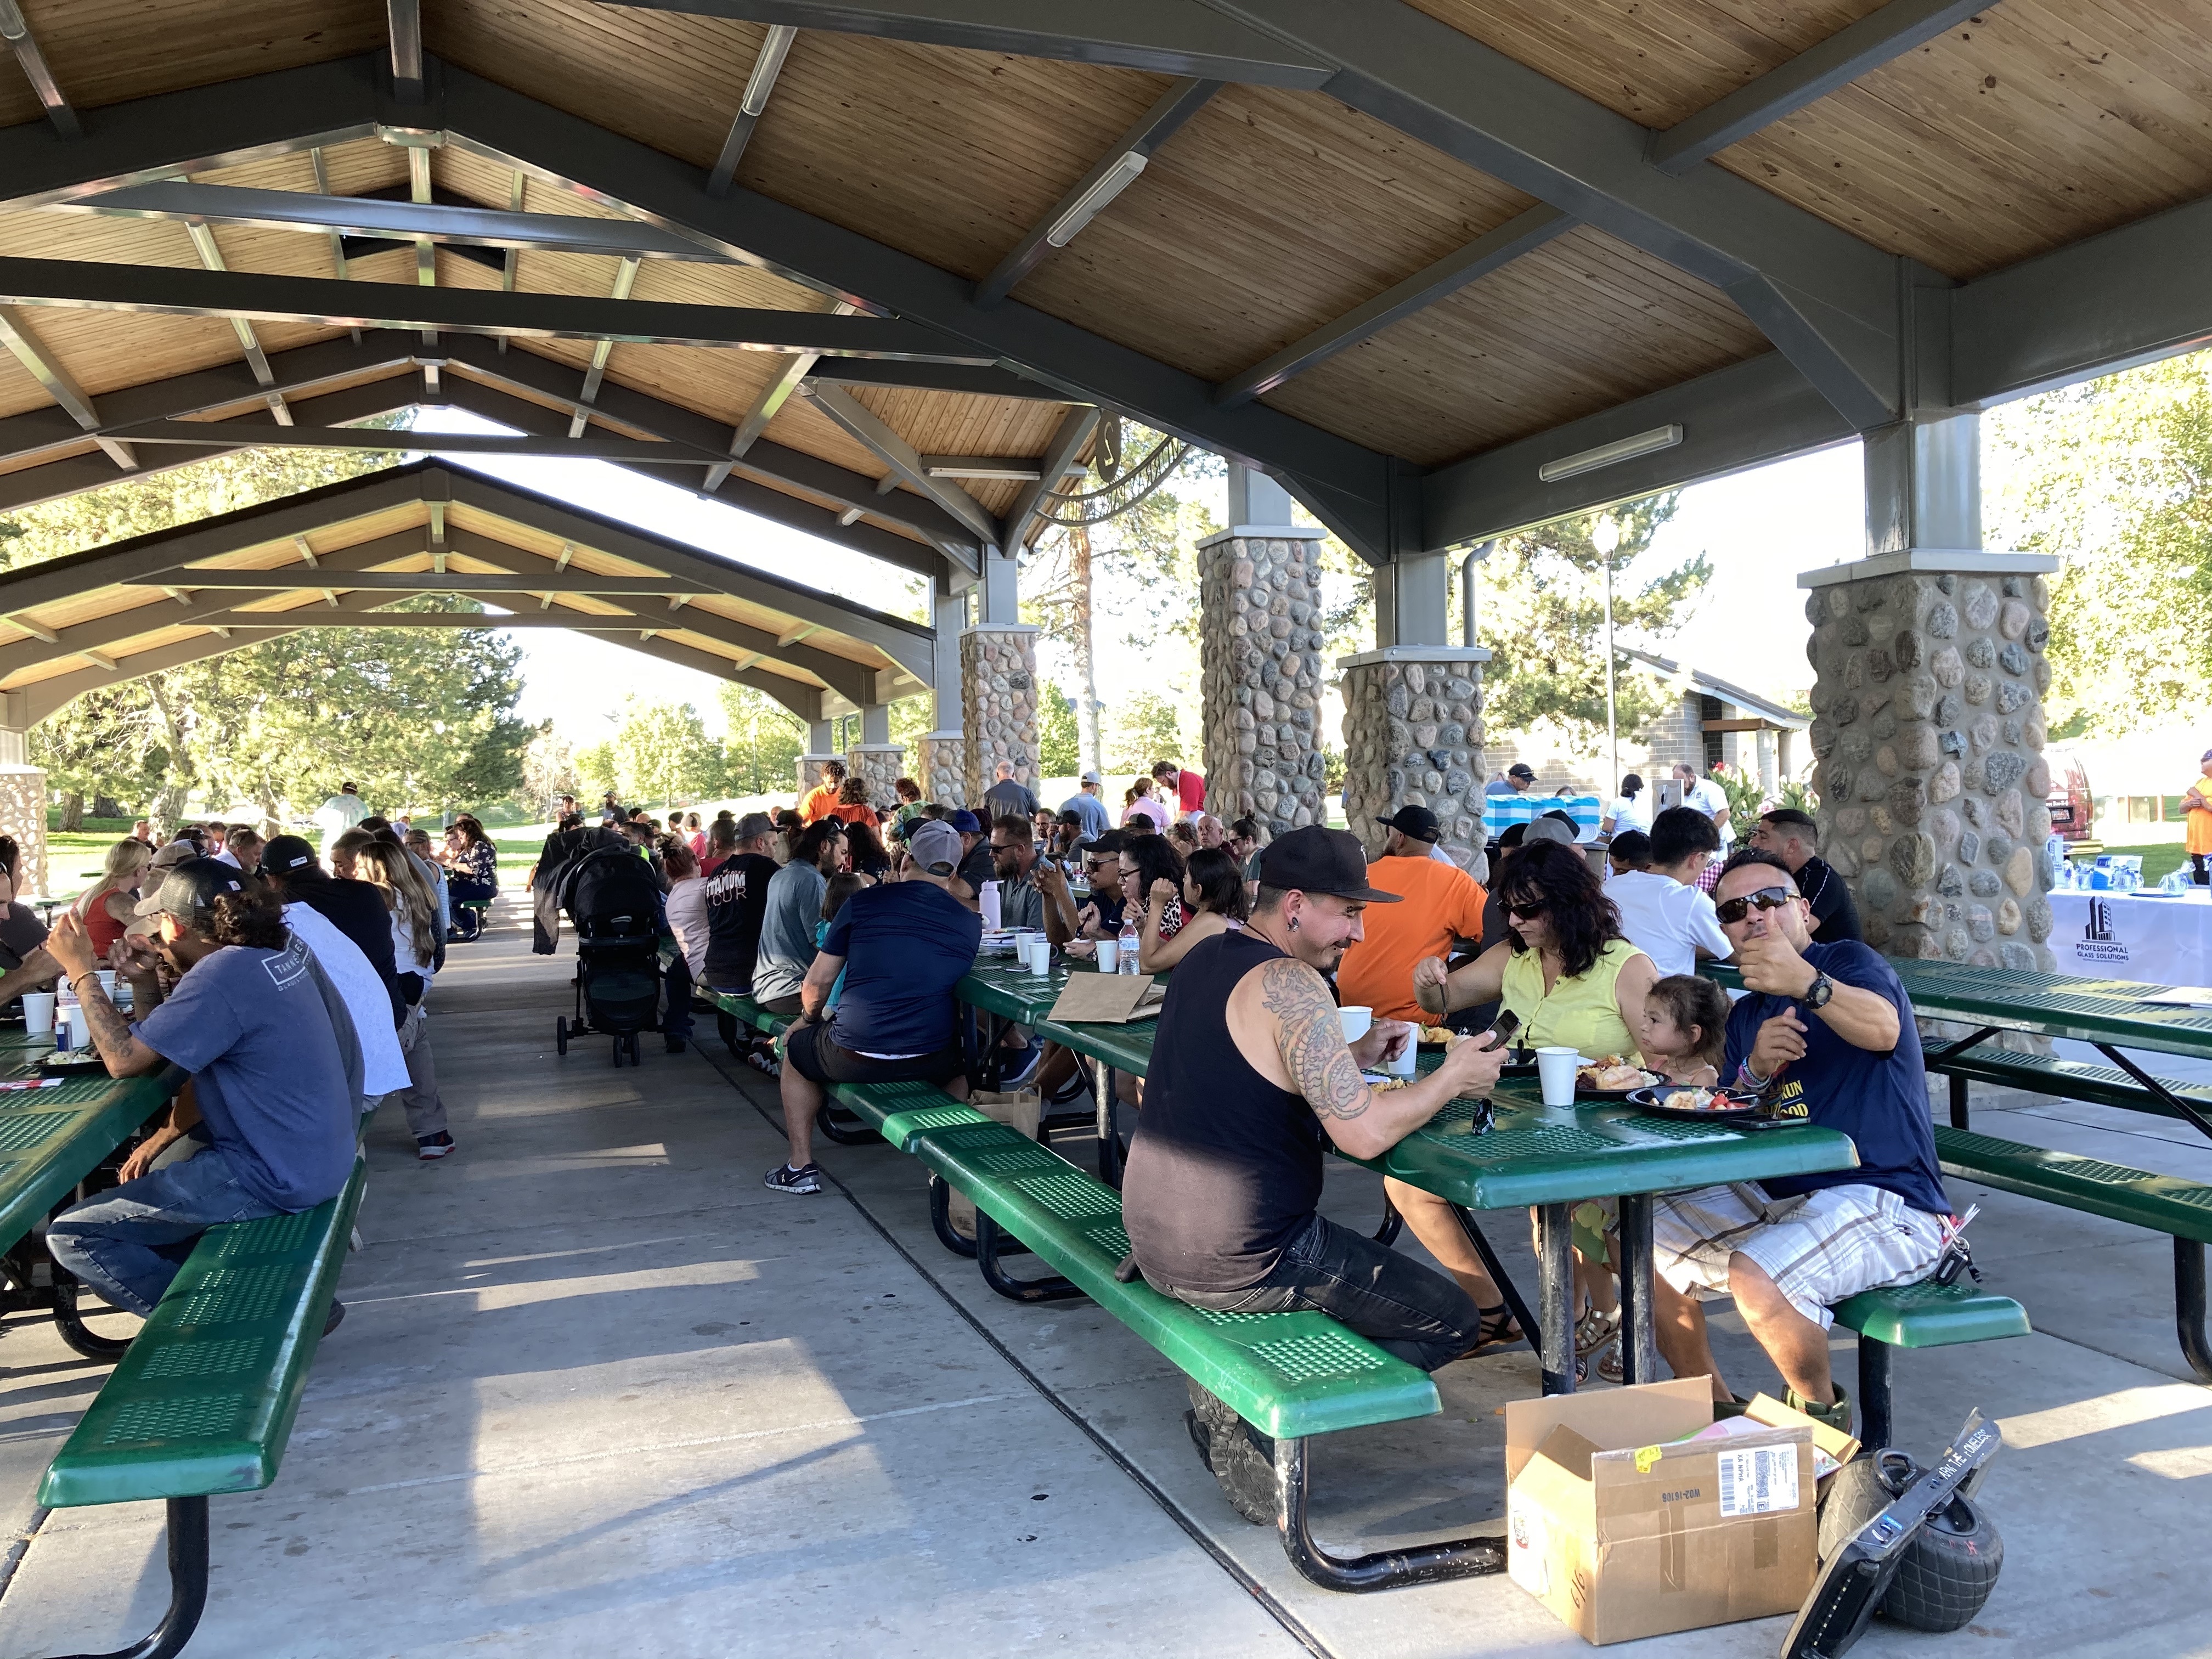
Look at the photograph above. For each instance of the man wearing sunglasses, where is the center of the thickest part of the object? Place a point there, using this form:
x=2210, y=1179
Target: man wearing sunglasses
x=1827, y=1028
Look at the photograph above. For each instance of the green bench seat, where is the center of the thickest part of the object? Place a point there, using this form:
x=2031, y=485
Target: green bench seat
x=746, y=1012
x=2069, y=1079
x=204, y=1400
x=1290, y=1375
x=2162, y=1203
x=1923, y=1316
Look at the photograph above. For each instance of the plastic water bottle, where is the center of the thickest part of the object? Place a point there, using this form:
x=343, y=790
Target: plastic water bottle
x=1132, y=942
x=987, y=902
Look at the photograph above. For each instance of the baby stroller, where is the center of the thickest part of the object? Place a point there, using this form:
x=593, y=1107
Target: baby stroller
x=612, y=900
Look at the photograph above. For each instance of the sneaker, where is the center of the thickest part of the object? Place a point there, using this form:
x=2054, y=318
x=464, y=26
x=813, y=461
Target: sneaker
x=430, y=1148
x=1016, y=1068
x=674, y=1045
x=337, y=1318
x=763, y=1059
x=784, y=1179
x=1077, y=1088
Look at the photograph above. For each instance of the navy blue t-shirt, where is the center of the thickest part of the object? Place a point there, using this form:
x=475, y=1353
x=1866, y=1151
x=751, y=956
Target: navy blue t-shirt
x=905, y=947
x=1878, y=1100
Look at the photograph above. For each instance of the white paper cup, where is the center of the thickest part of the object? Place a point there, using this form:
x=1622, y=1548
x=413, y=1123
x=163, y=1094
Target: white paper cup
x=107, y=982
x=1109, y=956
x=1357, y=1022
x=1040, y=956
x=1404, y=1064
x=1555, y=1072
x=38, y=1012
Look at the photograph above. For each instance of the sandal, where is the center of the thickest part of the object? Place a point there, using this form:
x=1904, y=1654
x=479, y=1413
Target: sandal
x=1496, y=1330
x=1595, y=1333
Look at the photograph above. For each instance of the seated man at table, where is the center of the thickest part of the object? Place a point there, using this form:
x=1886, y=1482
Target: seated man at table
x=901, y=946
x=1833, y=1023
x=276, y=1080
x=1251, y=1080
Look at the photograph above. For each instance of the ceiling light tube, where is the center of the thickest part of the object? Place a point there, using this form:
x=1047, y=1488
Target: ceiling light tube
x=1087, y=206
x=1611, y=454
x=12, y=26
x=767, y=67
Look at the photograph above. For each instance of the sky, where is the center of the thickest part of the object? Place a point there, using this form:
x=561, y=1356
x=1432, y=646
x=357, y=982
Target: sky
x=1759, y=529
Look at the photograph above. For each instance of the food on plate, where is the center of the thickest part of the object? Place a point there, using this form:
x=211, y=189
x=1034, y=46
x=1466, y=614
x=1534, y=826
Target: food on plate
x=1699, y=1100
x=1611, y=1074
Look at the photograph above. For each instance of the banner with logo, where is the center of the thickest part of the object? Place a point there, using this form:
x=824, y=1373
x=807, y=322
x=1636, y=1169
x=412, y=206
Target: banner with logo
x=2166, y=941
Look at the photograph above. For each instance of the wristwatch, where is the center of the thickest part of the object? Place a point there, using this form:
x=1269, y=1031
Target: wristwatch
x=1818, y=992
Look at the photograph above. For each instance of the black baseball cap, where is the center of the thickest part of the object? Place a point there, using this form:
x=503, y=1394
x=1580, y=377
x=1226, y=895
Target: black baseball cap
x=1315, y=860
x=287, y=854
x=1417, y=822
x=1521, y=769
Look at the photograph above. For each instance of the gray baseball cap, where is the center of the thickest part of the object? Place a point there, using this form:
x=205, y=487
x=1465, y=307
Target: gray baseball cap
x=935, y=846
x=754, y=825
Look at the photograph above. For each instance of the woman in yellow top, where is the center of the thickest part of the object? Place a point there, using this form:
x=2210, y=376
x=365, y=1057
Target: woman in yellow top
x=1566, y=973
x=2196, y=808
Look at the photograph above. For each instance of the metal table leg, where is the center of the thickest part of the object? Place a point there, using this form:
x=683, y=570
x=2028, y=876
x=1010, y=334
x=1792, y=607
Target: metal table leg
x=1639, y=1350
x=1498, y=1276
x=1109, y=1131
x=1556, y=1296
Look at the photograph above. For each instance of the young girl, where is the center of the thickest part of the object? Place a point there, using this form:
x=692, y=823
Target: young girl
x=1212, y=901
x=1683, y=1030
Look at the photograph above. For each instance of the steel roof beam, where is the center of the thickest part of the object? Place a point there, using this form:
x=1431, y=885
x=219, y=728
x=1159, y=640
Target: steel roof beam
x=1169, y=37
x=1150, y=130
x=1857, y=48
x=23, y=342
x=1492, y=251
x=212, y=435
x=391, y=221
x=44, y=697
x=240, y=296
x=285, y=578
x=1030, y=501
x=767, y=66
x=870, y=430
x=33, y=62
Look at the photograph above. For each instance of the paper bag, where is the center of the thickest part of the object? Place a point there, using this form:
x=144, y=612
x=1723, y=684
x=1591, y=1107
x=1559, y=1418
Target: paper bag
x=1019, y=1111
x=1108, y=999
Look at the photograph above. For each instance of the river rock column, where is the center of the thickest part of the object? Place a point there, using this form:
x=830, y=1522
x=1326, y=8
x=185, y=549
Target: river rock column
x=24, y=816
x=999, y=704
x=1260, y=645
x=1413, y=737
x=878, y=764
x=942, y=768
x=1928, y=730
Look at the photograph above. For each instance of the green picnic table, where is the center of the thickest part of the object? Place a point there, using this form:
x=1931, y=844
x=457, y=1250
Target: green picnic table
x=51, y=1139
x=1510, y=1152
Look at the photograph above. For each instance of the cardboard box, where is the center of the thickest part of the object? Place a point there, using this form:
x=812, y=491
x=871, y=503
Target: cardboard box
x=1834, y=1447
x=1624, y=1534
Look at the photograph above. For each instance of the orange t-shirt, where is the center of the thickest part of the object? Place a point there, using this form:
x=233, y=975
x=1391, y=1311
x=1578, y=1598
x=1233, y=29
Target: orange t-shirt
x=853, y=812
x=1439, y=903
x=2199, y=827
x=820, y=799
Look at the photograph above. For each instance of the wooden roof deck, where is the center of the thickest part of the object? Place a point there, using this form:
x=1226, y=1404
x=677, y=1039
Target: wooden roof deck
x=1983, y=189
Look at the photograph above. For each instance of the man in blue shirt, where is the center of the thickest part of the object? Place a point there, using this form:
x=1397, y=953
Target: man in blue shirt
x=1830, y=1028
x=275, y=1083
x=1086, y=806
x=902, y=947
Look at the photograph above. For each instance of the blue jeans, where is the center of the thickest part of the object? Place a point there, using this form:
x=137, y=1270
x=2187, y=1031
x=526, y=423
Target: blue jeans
x=469, y=922
x=129, y=1241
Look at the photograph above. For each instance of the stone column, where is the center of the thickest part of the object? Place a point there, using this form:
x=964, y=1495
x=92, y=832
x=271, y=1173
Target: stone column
x=942, y=770
x=1259, y=643
x=810, y=770
x=1928, y=730
x=1413, y=737
x=23, y=814
x=879, y=765
x=999, y=704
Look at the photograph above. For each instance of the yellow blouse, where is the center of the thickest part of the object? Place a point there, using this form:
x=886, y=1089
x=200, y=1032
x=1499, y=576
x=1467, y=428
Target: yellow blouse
x=1581, y=1012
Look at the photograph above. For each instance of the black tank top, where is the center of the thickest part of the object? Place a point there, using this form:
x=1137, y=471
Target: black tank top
x=1225, y=1168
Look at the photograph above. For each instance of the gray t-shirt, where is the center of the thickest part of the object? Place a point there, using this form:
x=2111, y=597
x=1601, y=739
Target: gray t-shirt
x=1020, y=904
x=786, y=939
x=251, y=1028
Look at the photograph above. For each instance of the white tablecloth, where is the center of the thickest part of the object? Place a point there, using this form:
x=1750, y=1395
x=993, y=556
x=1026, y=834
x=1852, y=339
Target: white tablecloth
x=2126, y=936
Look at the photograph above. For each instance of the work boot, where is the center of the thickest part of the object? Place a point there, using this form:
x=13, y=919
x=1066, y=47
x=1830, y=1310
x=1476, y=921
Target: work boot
x=1241, y=1458
x=1837, y=1417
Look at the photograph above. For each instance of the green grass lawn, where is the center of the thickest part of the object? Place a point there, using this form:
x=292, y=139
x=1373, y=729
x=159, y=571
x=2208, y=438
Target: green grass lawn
x=2158, y=858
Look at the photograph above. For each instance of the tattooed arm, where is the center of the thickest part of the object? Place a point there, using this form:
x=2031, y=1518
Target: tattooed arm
x=1308, y=1039
x=126, y=1056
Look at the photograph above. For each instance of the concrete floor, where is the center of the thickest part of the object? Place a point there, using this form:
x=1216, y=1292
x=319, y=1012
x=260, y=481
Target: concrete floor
x=600, y=1393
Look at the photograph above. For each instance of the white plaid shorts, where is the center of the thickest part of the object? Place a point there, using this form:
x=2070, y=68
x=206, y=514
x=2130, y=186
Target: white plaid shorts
x=1840, y=1241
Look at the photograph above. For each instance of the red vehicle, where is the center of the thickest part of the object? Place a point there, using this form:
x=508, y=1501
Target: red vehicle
x=2073, y=813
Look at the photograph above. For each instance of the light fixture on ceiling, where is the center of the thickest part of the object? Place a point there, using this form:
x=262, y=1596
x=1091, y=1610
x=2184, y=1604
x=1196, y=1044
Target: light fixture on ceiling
x=1087, y=206
x=1611, y=454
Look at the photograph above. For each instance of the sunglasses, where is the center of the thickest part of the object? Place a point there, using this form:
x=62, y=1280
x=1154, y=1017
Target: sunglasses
x=1532, y=909
x=1766, y=898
